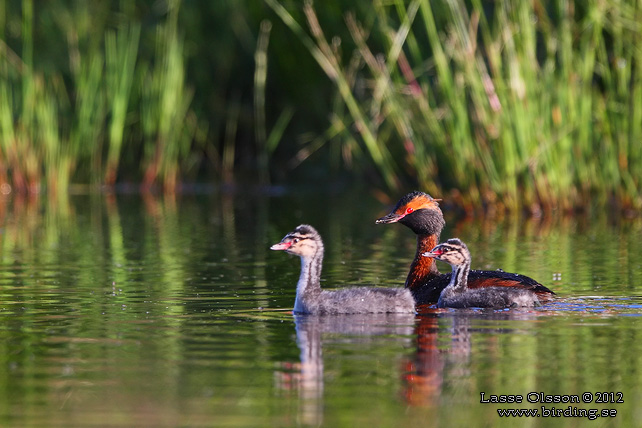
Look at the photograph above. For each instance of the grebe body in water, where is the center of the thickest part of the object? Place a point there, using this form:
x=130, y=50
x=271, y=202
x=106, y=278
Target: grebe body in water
x=305, y=242
x=458, y=295
x=421, y=213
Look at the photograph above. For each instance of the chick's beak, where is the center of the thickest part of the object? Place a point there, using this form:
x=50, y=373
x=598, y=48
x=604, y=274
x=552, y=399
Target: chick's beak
x=281, y=246
x=435, y=252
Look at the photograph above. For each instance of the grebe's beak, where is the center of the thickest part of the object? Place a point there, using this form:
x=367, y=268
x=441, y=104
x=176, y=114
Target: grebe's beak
x=389, y=218
x=281, y=245
x=435, y=252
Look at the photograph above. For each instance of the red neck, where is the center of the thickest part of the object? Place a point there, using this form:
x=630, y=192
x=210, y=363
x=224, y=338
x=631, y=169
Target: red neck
x=422, y=268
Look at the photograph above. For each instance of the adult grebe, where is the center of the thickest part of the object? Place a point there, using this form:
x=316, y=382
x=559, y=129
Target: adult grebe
x=421, y=213
x=305, y=242
x=458, y=295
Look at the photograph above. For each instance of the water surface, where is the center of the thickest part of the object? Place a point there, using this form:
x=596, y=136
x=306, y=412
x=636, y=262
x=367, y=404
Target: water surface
x=128, y=310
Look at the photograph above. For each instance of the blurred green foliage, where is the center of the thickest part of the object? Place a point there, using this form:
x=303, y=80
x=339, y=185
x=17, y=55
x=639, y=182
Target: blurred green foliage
x=533, y=104
x=502, y=104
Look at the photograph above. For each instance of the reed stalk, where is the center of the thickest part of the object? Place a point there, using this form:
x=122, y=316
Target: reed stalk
x=121, y=49
x=260, y=78
x=168, y=127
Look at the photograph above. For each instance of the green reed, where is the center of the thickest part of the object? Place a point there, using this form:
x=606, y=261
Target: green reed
x=509, y=103
x=121, y=49
x=81, y=121
x=168, y=128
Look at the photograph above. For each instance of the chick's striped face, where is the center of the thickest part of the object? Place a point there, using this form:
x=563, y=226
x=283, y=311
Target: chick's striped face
x=452, y=251
x=300, y=242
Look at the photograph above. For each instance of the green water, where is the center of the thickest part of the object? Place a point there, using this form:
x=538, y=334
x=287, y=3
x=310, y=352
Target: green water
x=127, y=311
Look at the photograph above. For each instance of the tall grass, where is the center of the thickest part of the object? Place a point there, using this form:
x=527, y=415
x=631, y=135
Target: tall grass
x=120, y=55
x=168, y=125
x=81, y=122
x=503, y=103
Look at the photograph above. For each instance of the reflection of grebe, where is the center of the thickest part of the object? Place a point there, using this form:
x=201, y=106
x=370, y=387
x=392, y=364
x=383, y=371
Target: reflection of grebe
x=458, y=295
x=421, y=213
x=442, y=363
x=423, y=374
x=306, y=243
x=355, y=328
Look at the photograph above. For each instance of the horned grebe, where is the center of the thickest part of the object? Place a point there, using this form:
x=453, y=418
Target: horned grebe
x=305, y=242
x=458, y=295
x=421, y=213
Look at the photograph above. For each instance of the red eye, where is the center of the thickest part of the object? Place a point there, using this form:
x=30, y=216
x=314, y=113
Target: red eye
x=409, y=210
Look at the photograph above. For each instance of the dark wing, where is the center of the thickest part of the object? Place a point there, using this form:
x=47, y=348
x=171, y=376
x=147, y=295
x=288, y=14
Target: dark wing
x=428, y=293
x=492, y=278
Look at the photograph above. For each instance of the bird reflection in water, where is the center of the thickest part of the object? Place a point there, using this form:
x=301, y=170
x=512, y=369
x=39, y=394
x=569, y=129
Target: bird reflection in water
x=444, y=348
x=359, y=328
x=442, y=357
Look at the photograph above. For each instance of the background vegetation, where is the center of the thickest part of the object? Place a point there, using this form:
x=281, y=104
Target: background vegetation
x=491, y=104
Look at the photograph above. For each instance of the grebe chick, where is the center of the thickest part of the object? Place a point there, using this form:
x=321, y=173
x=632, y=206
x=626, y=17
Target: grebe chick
x=458, y=295
x=305, y=242
x=421, y=213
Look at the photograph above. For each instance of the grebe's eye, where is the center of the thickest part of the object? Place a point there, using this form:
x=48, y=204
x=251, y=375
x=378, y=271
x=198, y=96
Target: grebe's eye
x=296, y=240
x=409, y=210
